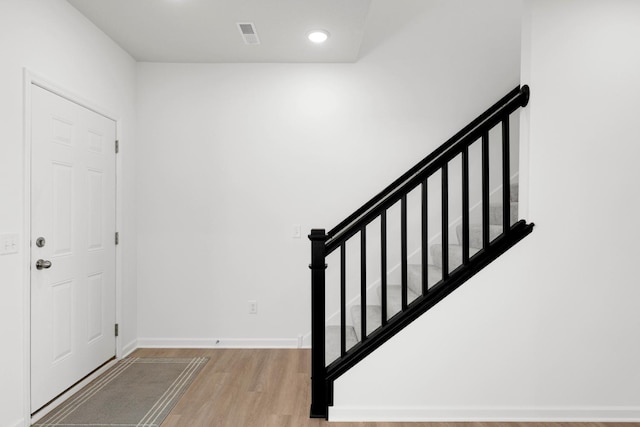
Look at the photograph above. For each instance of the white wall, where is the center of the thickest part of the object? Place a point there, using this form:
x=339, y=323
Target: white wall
x=51, y=38
x=232, y=155
x=550, y=331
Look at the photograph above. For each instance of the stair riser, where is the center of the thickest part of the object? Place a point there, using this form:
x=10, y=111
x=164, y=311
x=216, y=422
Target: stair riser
x=455, y=255
x=332, y=341
x=495, y=214
x=475, y=234
x=513, y=192
x=374, y=319
x=394, y=298
x=414, y=273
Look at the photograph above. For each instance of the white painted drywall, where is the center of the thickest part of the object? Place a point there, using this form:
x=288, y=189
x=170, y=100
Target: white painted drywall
x=550, y=331
x=231, y=156
x=52, y=39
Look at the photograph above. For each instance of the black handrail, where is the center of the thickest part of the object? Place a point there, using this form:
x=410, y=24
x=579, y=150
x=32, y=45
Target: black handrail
x=518, y=97
x=452, y=275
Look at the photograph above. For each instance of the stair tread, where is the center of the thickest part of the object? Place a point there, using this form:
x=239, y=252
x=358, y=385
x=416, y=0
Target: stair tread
x=455, y=255
x=434, y=275
x=513, y=191
x=374, y=320
x=495, y=213
x=394, y=298
x=332, y=341
x=475, y=233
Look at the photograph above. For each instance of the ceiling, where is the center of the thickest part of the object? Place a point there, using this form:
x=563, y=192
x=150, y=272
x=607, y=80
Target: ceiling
x=206, y=30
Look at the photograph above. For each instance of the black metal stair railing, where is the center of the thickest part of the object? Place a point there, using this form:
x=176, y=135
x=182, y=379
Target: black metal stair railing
x=323, y=244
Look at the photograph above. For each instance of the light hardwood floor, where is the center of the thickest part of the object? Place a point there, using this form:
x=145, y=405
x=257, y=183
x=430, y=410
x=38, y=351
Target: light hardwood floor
x=269, y=388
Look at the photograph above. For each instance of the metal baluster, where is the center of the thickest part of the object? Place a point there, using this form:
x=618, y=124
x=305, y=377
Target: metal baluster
x=425, y=239
x=383, y=265
x=506, y=183
x=343, y=299
x=445, y=221
x=403, y=249
x=465, y=205
x=485, y=190
x=363, y=281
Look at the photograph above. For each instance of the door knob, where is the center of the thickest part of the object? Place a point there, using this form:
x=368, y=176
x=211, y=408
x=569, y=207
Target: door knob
x=40, y=264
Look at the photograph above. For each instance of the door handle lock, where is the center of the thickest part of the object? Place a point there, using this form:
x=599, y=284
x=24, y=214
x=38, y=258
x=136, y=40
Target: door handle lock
x=40, y=264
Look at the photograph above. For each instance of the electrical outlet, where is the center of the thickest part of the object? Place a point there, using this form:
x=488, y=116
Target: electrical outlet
x=253, y=307
x=296, y=233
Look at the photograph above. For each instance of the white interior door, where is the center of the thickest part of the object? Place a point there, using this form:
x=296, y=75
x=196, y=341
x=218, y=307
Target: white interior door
x=73, y=209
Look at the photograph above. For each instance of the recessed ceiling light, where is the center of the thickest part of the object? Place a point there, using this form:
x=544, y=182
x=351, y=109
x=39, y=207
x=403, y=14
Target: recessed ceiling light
x=318, y=36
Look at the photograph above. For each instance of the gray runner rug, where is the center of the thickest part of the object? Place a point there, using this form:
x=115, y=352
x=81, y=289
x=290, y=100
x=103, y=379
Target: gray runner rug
x=135, y=392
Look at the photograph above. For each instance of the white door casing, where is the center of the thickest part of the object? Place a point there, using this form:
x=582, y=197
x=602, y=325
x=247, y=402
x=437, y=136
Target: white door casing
x=73, y=207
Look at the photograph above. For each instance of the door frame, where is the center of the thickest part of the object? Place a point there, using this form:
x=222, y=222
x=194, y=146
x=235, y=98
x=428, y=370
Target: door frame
x=32, y=78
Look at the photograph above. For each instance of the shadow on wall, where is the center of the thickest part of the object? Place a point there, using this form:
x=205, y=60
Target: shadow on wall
x=382, y=24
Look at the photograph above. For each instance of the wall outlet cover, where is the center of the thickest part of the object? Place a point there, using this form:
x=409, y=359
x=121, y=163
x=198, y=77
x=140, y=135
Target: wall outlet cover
x=253, y=307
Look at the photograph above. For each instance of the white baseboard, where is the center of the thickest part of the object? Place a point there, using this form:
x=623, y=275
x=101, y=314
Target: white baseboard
x=19, y=423
x=485, y=414
x=129, y=348
x=217, y=343
x=306, y=341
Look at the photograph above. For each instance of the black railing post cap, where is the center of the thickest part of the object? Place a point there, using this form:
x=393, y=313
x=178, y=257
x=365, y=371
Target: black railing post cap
x=318, y=234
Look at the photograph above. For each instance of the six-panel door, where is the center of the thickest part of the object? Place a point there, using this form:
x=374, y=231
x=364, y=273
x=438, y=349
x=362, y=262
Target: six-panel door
x=73, y=209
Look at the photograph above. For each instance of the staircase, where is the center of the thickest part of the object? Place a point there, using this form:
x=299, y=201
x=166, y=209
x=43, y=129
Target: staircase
x=414, y=279
x=337, y=348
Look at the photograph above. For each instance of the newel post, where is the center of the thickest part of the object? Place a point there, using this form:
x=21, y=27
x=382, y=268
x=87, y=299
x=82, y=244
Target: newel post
x=319, y=390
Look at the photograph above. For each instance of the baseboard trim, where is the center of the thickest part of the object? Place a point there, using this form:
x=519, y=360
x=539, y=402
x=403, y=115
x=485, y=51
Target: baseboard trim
x=306, y=341
x=129, y=348
x=485, y=414
x=19, y=423
x=217, y=343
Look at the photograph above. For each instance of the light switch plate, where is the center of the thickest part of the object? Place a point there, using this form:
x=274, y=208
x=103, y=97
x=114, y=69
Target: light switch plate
x=9, y=243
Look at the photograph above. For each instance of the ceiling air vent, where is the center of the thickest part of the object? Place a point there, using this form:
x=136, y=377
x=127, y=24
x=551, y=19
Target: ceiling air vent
x=249, y=33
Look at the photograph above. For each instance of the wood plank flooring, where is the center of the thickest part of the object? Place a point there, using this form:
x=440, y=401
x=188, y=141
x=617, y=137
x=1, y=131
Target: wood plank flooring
x=270, y=388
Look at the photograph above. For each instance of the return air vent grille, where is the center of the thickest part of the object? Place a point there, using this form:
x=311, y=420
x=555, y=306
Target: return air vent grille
x=249, y=33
